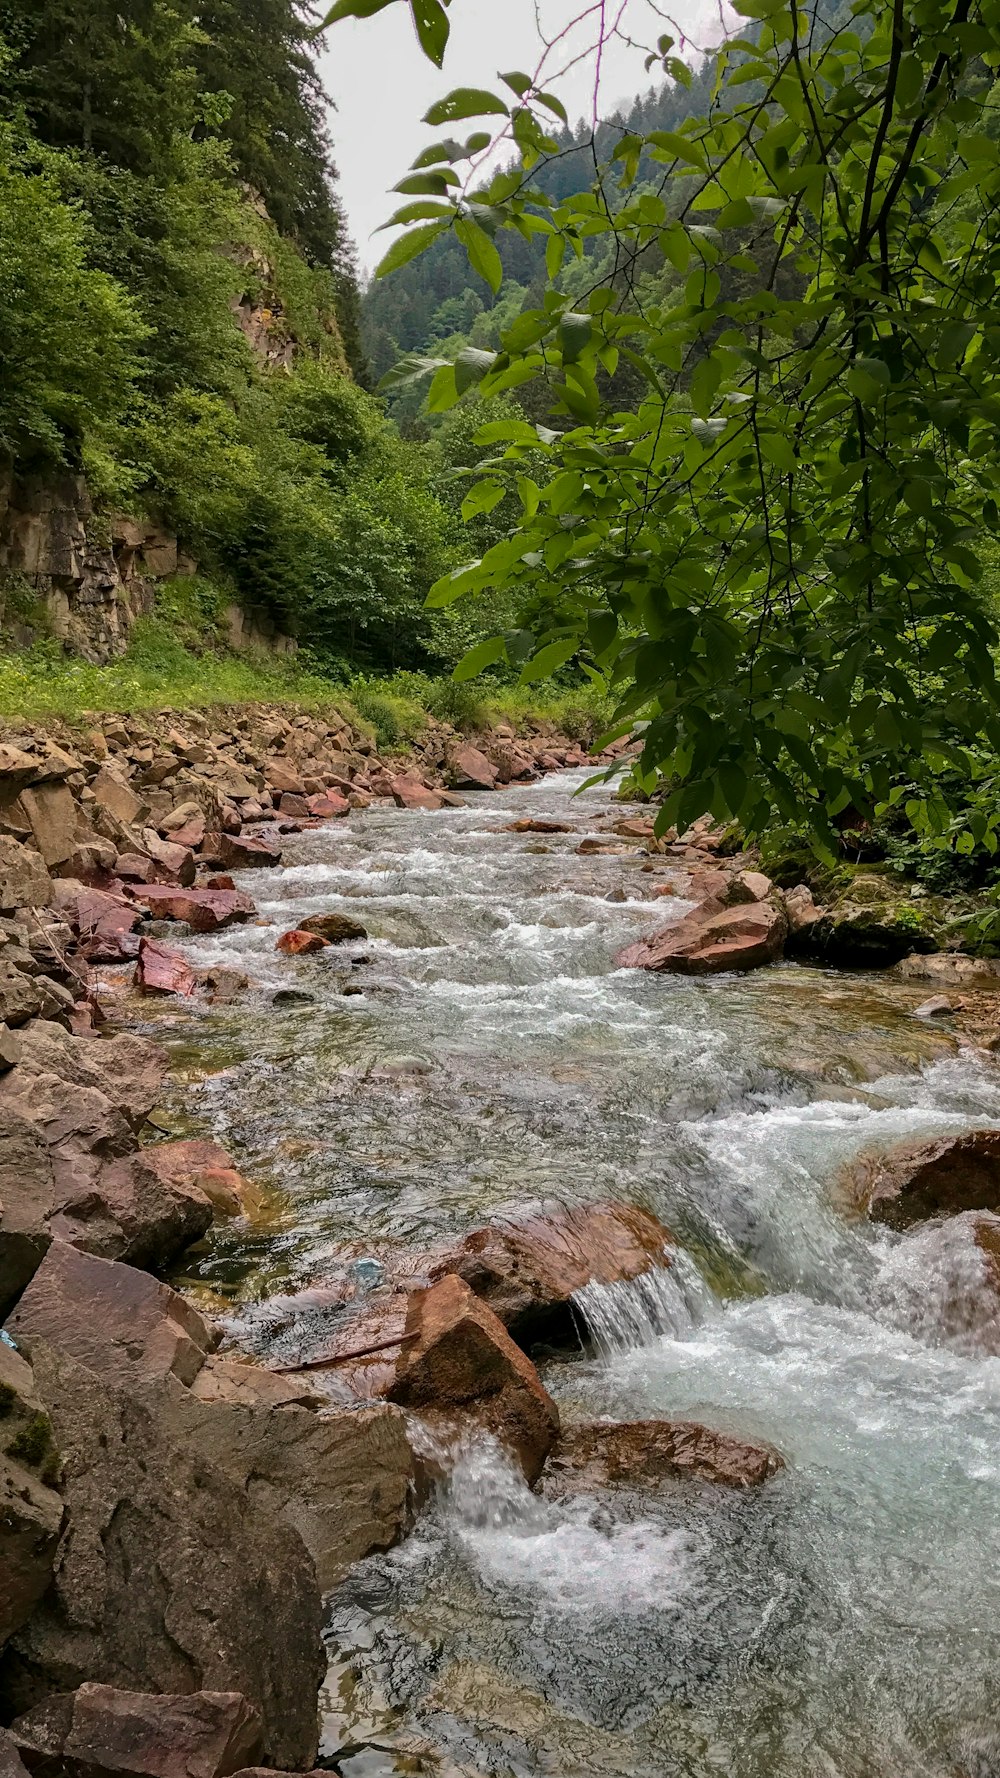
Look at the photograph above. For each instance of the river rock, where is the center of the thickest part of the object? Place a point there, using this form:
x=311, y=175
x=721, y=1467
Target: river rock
x=169, y=1577
x=466, y=767
x=328, y=805
x=335, y=928
x=869, y=936
x=528, y=1264
x=712, y=939
x=174, y=862
x=82, y=1127
x=801, y=910
x=532, y=824
x=917, y=1180
x=127, y=1069
x=950, y=969
x=240, y=852
x=643, y=1452
x=412, y=793
x=99, y=1732
x=204, y=910
x=123, y=1324
x=197, y=1169
x=344, y=1480
x=24, y=880
x=459, y=1364
x=104, y=922
x=161, y=970
x=31, y=1511
x=300, y=943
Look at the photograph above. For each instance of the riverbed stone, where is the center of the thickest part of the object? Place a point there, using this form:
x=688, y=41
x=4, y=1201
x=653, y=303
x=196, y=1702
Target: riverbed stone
x=467, y=768
x=917, y=1180
x=101, y=1732
x=169, y=1578
x=644, y=1453
x=713, y=939
x=528, y=1264
x=335, y=928
x=458, y=1364
x=412, y=793
x=300, y=943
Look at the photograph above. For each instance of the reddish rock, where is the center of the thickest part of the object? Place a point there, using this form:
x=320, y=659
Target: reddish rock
x=466, y=767
x=459, y=1363
x=98, y=1732
x=204, y=910
x=163, y=971
x=104, y=923
x=328, y=806
x=191, y=1171
x=527, y=1266
x=135, y=867
x=240, y=852
x=643, y=1452
x=635, y=827
x=801, y=910
x=917, y=1180
x=301, y=944
x=713, y=939
x=174, y=862
x=295, y=804
x=335, y=928
x=283, y=778
x=221, y=880
x=191, y=835
x=531, y=824
x=121, y=1323
x=748, y=886
x=411, y=793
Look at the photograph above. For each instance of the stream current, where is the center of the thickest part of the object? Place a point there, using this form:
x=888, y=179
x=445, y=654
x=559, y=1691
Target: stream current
x=841, y=1622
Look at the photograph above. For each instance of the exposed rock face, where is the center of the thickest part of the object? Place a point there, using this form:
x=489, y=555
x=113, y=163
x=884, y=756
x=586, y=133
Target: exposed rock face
x=644, y=1452
x=342, y=1479
x=459, y=1363
x=335, y=928
x=24, y=880
x=713, y=939
x=105, y=923
x=527, y=1265
x=127, y=1069
x=123, y=1324
x=169, y=1578
x=98, y=1732
x=31, y=1512
x=918, y=1180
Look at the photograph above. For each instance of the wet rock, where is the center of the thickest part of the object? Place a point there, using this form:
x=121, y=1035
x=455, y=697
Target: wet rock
x=203, y=910
x=466, y=767
x=123, y=1324
x=31, y=1512
x=197, y=1168
x=170, y=1578
x=24, y=880
x=335, y=928
x=161, y=970
x=938, y=1007
x=458, y=1361
x=528, y=1265
x=100, y=1732
x=412, y=793
x=711, y=940
x=300, y=943
x=293, y=997
x=870, y=936
x=644, y=1452
x=143, y=1209
x=223, y=985
x=917, y=1180
x=532, y=824
x=240, y=852
x=342, y=1479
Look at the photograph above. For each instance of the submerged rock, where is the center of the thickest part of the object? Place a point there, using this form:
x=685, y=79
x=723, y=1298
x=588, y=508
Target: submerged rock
x=644, y=1452
x=917, y=1180
x=713, y=939
x=528, y=1264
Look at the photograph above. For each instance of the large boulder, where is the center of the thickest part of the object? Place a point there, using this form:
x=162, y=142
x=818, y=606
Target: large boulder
x=712, y=939
x=642, y=1453
x=467, y=768
x=24, y=880
x=161, y=970
x=127, y=1069
x=335, y=928
x=170, y=1578
x=99, y=1732
x=22, y=996
x=342, y=1479
x=204, y=910
x=104, y=922
x=459, y=1366
x=917, y=1180
x=81, y=1125
x=123, y=1324
x=241, y=852
x=52, y=817
x=11, y=1763
x=412, y=793
x=527, y=1265
x=27, y=1198
x=31, y=1511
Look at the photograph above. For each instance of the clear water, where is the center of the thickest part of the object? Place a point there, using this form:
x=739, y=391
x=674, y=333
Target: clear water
x=845, y=1620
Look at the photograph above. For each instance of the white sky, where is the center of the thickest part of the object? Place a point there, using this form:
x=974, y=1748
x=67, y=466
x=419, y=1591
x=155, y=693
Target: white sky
x=381, y=84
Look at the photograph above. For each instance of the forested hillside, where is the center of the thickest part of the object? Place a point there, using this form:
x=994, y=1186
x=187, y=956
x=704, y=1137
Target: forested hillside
x=179, y=316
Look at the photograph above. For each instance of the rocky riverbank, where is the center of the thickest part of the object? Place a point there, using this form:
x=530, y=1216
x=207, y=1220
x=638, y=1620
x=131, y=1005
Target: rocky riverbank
x=171, y=1513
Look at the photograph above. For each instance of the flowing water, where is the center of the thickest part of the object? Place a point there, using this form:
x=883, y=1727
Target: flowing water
x=841, y=1622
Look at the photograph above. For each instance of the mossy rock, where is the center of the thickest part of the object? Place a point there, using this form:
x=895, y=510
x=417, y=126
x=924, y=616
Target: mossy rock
x=872, y=937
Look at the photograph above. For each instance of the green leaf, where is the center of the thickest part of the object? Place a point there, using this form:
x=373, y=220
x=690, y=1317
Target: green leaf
x=471, y=366
x=549, y=659
x=353, y=9
x=485, y=654
x=430, y=21
x=482, y=498
x=452, y=586
x=574, y=336
x=443, y=392
x=483, y=256
x=466, y=101
x=519, y=83
x=554, y=105
x=408, y=246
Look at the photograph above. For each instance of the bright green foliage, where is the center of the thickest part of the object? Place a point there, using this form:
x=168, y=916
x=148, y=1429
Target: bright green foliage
x=771, y=554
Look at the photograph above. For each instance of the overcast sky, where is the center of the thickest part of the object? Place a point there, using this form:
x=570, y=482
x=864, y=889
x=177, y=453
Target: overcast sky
x=381, y=85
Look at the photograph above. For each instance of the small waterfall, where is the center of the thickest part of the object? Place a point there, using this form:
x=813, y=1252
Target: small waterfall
x=669, y=1300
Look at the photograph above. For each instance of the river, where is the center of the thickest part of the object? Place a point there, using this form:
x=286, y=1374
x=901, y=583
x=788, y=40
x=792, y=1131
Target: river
x=841, y=1622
